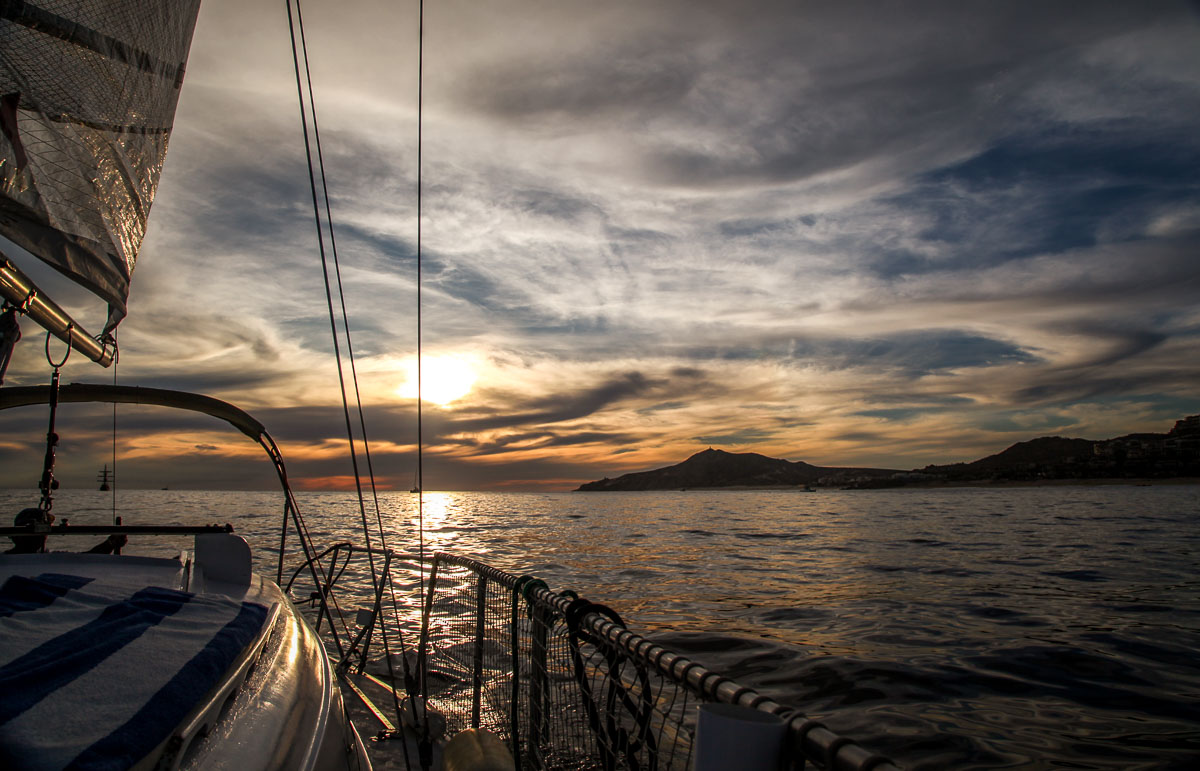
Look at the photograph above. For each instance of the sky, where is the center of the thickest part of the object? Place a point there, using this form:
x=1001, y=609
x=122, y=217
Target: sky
x=881, y=234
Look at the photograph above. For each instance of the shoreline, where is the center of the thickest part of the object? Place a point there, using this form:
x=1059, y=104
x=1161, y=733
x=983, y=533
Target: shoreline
x=932, y=484
x=1129, y=482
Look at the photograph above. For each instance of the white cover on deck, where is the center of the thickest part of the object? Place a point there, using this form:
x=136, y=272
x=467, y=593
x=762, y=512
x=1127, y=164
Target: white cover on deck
x=97, y=673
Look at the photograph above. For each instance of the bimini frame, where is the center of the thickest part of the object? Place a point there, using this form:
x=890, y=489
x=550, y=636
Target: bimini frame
x=23, y=396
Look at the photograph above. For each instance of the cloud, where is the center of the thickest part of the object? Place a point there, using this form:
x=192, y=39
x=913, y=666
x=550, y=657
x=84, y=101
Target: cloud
x=748, y=436
x=844, y=233
x=562, y=407
x=602, y=81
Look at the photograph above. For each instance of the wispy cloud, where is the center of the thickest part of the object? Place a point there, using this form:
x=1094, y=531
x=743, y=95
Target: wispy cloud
x=834, y=232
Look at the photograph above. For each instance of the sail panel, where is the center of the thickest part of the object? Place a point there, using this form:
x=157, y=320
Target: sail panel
x=88, y=90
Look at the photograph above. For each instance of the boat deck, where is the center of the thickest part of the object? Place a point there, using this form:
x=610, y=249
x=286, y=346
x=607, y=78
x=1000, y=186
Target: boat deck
x=159, y=663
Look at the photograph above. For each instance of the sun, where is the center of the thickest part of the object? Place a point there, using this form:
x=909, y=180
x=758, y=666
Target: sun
x=444, y=379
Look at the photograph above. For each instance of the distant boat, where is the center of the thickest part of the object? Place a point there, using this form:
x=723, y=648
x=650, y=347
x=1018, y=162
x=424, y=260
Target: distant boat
x=104, y=476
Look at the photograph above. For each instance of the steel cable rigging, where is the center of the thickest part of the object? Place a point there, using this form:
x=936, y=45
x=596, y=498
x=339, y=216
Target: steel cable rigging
x=331, y=263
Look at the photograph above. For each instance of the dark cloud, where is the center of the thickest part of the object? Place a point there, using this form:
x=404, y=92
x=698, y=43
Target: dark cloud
x=862, y=437
x=307, y=425
x=833, y=99
x=688, y=372
x=914, y=353
x=1024, y=425
x=207, y=382
x=1123, y=342
x=554, y=204
x=566, y=406
x=754, y=228
x=932, y=401
x=535, y=440
x=1117, y=372
x=1029, y=196
x=587, y=85
x=899, y=414
x=375, y=250
x=746, y=436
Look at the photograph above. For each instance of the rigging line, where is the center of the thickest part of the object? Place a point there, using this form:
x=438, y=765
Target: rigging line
x=424, y=722
x=362, y=422
x=113, y=484
x=420, y=400
x=303, y=534
x=376, y=579
x=337, y=347
x=312, y=109
x=337, y=271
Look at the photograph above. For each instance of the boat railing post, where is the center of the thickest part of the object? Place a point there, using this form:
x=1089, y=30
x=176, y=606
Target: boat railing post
x=287, y=506
x=423, y=648
x=323, y=590
x=326, y=589
x=539, y=686
x=376, y=613
x=514, y=713
x=310, y=561
x=480, y=630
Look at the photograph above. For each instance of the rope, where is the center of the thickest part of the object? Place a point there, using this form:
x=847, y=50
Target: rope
x=420, y=188
x=10, y=333
x=362, y=421
x=299, y=52
x=113, y=484
x=617, y=744
x=426, y=741
x=48, y=483
x=376, y=579
x=303, y=533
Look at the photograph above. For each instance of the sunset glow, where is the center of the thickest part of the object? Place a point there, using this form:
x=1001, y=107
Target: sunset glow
x=444, y=379
x=852, y=234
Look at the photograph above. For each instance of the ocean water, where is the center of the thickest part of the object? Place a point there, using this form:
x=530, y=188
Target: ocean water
x=1053, y=627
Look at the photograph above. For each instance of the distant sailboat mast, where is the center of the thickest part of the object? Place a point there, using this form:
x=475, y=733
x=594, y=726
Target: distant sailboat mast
x=103, y=478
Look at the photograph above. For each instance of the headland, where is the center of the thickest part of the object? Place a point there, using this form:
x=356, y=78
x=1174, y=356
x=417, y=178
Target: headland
x=1145, y=458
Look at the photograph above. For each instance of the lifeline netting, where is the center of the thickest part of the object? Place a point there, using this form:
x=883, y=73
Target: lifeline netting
x=561, y=680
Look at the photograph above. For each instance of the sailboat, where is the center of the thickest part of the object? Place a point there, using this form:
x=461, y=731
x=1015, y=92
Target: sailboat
x=197, y=662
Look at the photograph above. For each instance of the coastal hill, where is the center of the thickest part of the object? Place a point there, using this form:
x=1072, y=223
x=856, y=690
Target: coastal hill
x=717, y=468
x=1148, y=456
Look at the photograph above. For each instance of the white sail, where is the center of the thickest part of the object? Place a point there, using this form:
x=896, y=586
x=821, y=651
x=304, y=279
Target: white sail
x=88, y=90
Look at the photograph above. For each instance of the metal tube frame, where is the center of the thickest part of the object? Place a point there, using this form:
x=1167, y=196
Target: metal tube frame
x=20, y=291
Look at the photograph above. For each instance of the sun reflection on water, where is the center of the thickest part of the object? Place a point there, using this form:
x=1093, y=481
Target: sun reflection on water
x=442, y=518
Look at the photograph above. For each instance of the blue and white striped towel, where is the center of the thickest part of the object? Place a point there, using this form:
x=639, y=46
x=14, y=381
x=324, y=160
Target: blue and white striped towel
x=95, y=675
